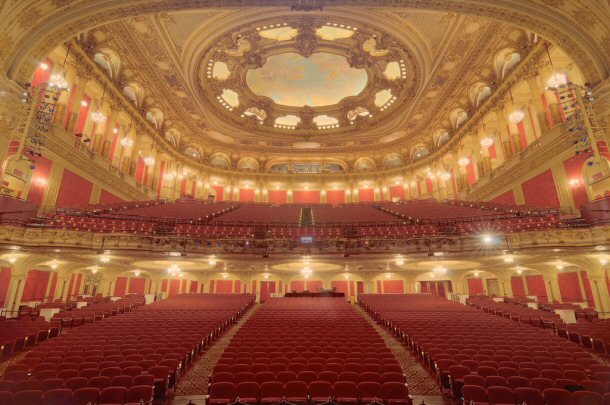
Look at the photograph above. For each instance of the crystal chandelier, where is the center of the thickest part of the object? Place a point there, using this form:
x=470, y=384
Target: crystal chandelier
x=173, y=269
x=98, y=116
x=557, y=80
x=149, y=161
x=126, y=142
x=516, y=116
x=446, y=176
x=439, y=270
x=464, y=162
x=487, y=142
x=58, y=81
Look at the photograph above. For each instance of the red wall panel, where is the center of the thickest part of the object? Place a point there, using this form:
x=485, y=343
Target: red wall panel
x=224, y=286
x=219, y=192
x=379, y=287
x=306, y=197
x=71, y=285
x=246, y=195
x=174, y=287
x=569, y=287
x=278, y=196
x=540, y=190
x=475, y=286
x=297, y=285
x=254, y=285
x=35, y=285
x=335, y=197
x=398, y=191
x=573, y=167
x=237, y=286
x=587, y=285
x=212, y=286
x=517, y=286
x=120, y=287
x=109, y=198
x=506, y=198
x=264, y=296
x=42, y=75
x=314, y=285
x=535, y=286
x=366, y=195
x=340, y=286
x=83, y=114
x=53, y=286
x=140, y=167
x=360, y=287
x=137, y=285
x=164, y=285
x=470, y=174
x=74, y=191
x=79, y=280
x=42, y=172
x=393, y=287
x=194, y=286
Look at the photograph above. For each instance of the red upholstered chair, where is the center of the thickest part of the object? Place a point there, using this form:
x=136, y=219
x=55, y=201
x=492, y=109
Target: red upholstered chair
x=66, y=374
x=558, y=396
x=271, y=392
x=144, y=379
x=529, y=396
x=84, y=396
x=349, y=376
x=247, y=392
x=395, y=393
x=392, y=377
x=476, y=394
x=139, y=393
x=222, y=393
x=529, y=373
x=75, y=383
x=27, y=385
x=307, y=376
x=594, y=386
x=58, y=396
x=285, y=376
x=111, y=371
x=369, y=391
x=7, y=385
x=45, y=375
x=541, y=383
x=346, y=392
x=500, y=395
x=517, y=381
x=161, y=376
x=320, y=391
x=296, y=391
x=6, y=397
x=51, y=384
x=222, y=377
x=329, y=376
x=28, y=397
x=495, y=381
x=370, y=376
x=16, y=375
x=122, y=381
x=113, y=395
x=588, y=398
x=243, y=376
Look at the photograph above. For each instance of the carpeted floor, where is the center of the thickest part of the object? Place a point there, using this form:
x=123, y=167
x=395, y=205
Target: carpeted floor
x=195, y=381
x=419, y=380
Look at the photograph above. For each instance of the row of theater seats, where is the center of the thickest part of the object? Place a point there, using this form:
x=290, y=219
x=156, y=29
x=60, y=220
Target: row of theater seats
x=589, y=331
x=262, y=214
x=307, y=349
x=29, y=329
x=350, y=214
x=474, y=394
x=153, y=344
x=136, y=395
x=460, y=343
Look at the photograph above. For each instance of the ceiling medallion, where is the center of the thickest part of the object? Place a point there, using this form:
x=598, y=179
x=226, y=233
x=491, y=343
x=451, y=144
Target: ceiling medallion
x=302, y=75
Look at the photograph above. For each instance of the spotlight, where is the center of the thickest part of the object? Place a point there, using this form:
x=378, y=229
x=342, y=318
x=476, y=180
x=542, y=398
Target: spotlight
x=487, y=239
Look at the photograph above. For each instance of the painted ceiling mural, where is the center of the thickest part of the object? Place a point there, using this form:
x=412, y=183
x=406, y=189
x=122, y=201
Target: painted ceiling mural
x=322, y=79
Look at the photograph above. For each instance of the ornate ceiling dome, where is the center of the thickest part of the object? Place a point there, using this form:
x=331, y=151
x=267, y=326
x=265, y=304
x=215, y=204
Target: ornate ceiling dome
x=304, y=77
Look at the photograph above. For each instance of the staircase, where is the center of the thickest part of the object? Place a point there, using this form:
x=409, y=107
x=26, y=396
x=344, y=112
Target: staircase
x=306, y=220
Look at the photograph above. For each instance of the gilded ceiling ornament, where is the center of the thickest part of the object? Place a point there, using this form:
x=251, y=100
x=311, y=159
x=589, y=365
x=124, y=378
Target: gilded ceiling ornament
x=306, y=40
x=370, y=46
x=240, y=47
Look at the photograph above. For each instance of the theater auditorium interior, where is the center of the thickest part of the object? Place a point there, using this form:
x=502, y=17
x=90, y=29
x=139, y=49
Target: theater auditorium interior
x=342, y=202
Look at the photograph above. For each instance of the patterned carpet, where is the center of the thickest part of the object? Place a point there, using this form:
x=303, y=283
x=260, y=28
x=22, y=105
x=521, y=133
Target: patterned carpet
x=195, y=381
x=419, y=380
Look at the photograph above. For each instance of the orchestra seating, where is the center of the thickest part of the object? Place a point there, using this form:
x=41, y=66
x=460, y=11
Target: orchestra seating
x=307, y=349
x=262, y=214
x=589, y=331
x=125, y=358
x=472, y=353
x=350, y=214
x=24, y=332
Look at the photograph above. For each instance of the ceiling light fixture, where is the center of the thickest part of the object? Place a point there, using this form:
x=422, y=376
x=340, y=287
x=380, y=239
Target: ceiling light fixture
x=98, y=116
x=439, y=270
x=487, y=142
x=557, y=80
x=464, y=161
x=516, y=116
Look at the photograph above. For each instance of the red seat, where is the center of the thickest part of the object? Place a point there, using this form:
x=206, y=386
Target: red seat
x=58, y=396
x=500, y=395
x=247, y=392
x=475, y=394
x=296, y=391
x=320, y=391
x=588, y=398
x=558, y=396
x=271, y=392
x=529, y=396
x=222, y=392
x=395, y=393
x=27, y=397
x=346, y=392
x=369, y=391
x=138, y=394
x=113, y=395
